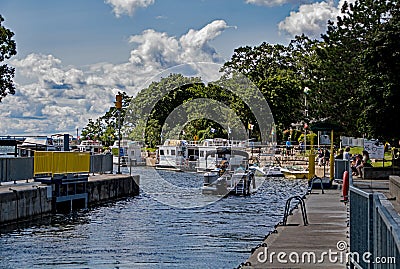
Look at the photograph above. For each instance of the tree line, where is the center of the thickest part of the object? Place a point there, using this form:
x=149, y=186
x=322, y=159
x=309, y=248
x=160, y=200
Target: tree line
x=349, y=77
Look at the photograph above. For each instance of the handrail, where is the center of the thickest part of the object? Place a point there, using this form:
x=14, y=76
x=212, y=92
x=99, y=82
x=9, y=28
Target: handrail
x=303, y=210
x=312, y=184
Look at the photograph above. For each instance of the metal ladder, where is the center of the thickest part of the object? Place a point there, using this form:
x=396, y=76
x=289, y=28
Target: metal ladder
x=312, y=184
x=303, y=210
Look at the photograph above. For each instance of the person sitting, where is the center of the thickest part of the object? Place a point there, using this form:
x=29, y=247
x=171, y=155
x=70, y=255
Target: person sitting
x=365, y=162
x=356, y=162
x=320, y=157
x=340, y=155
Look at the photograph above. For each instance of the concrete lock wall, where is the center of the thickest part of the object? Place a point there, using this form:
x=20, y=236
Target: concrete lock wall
x=394, y=187
x=102, y=190
x=23, y=204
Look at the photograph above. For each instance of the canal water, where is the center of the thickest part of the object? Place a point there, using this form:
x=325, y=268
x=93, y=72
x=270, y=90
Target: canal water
x=146, y=232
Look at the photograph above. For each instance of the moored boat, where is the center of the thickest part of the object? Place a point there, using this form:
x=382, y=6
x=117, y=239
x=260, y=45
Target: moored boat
x=294, y=173
x=267, y=171
x=239, y=183
x=231, y=177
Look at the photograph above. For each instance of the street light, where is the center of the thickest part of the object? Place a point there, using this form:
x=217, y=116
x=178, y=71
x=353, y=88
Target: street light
x=306, y=91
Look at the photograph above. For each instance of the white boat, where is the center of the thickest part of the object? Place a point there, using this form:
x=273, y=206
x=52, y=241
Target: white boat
x=93, y=146
x=40, y=143
x=295, y=172
x=177, y=155
x=211, y=152
x=231, y=177
x=239, y=183
x=267, y=171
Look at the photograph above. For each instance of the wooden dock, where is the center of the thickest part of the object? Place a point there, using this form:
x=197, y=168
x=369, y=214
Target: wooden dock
x=323, y=243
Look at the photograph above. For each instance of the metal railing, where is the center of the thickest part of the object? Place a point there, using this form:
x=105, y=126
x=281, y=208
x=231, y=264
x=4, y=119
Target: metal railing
x=12, y=169
x=21, y=168
x=101, y=163
x=374, y=231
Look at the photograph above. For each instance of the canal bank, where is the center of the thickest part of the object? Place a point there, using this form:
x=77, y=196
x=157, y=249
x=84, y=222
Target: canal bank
x=322, y=243
x=28, y=199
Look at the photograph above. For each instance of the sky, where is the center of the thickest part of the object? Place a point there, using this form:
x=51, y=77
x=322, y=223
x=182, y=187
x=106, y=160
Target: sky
x=74, y=56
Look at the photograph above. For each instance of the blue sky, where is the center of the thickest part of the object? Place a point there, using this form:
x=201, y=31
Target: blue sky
x=73, y=56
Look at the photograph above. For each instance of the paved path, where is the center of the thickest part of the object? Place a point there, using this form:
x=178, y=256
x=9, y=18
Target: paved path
x=328, y=219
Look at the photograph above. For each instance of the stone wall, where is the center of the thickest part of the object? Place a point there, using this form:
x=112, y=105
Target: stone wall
x=379, y=172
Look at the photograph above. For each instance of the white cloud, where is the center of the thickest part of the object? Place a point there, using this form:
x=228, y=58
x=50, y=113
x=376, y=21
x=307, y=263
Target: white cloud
x=270, y=3
x=61, y=98
x=121, y=7
x=160, y=50
x=311, y=19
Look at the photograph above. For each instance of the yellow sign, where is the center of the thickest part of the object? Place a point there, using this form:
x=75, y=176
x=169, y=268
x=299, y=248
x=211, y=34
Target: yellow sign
x=196, y=137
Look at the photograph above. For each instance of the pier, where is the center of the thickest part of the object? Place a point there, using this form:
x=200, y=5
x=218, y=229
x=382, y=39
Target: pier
x=297, y=245
x=329, y=233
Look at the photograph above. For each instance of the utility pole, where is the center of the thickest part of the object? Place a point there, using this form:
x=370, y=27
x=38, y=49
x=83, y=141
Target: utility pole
x=118, y=106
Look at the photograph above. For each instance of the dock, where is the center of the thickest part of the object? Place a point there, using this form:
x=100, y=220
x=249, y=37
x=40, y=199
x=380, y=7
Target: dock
x=322, y=243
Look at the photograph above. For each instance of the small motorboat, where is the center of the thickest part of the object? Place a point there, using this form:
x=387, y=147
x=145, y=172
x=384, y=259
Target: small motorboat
x=266, y=171
x=240, y=182
x=295, y=172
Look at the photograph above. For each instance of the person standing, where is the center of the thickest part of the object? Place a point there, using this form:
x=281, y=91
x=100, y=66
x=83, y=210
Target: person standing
x=346, y=154
x=288, y=147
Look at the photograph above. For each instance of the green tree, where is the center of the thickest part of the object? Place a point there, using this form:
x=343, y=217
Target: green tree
x=273, y=69
x=7, y=50
x=359, y=62
x=105, y=128
x=380, y=89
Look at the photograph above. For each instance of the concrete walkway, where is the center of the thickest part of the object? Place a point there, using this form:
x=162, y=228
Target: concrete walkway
x=321, y=244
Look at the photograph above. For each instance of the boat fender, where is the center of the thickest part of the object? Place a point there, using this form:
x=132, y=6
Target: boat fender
x=346, y=184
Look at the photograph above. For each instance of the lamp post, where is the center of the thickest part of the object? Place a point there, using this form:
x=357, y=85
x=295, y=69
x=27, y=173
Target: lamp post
x=306, y=90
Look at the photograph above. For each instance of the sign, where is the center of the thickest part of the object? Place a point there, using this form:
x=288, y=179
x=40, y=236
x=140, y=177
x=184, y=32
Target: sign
x=375, y=149
x=121, y=152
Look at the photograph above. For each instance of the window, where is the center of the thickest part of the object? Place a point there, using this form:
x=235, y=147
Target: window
x=172, y=152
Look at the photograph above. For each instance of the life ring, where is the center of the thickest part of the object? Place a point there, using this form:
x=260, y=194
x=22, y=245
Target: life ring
x=346, y=184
